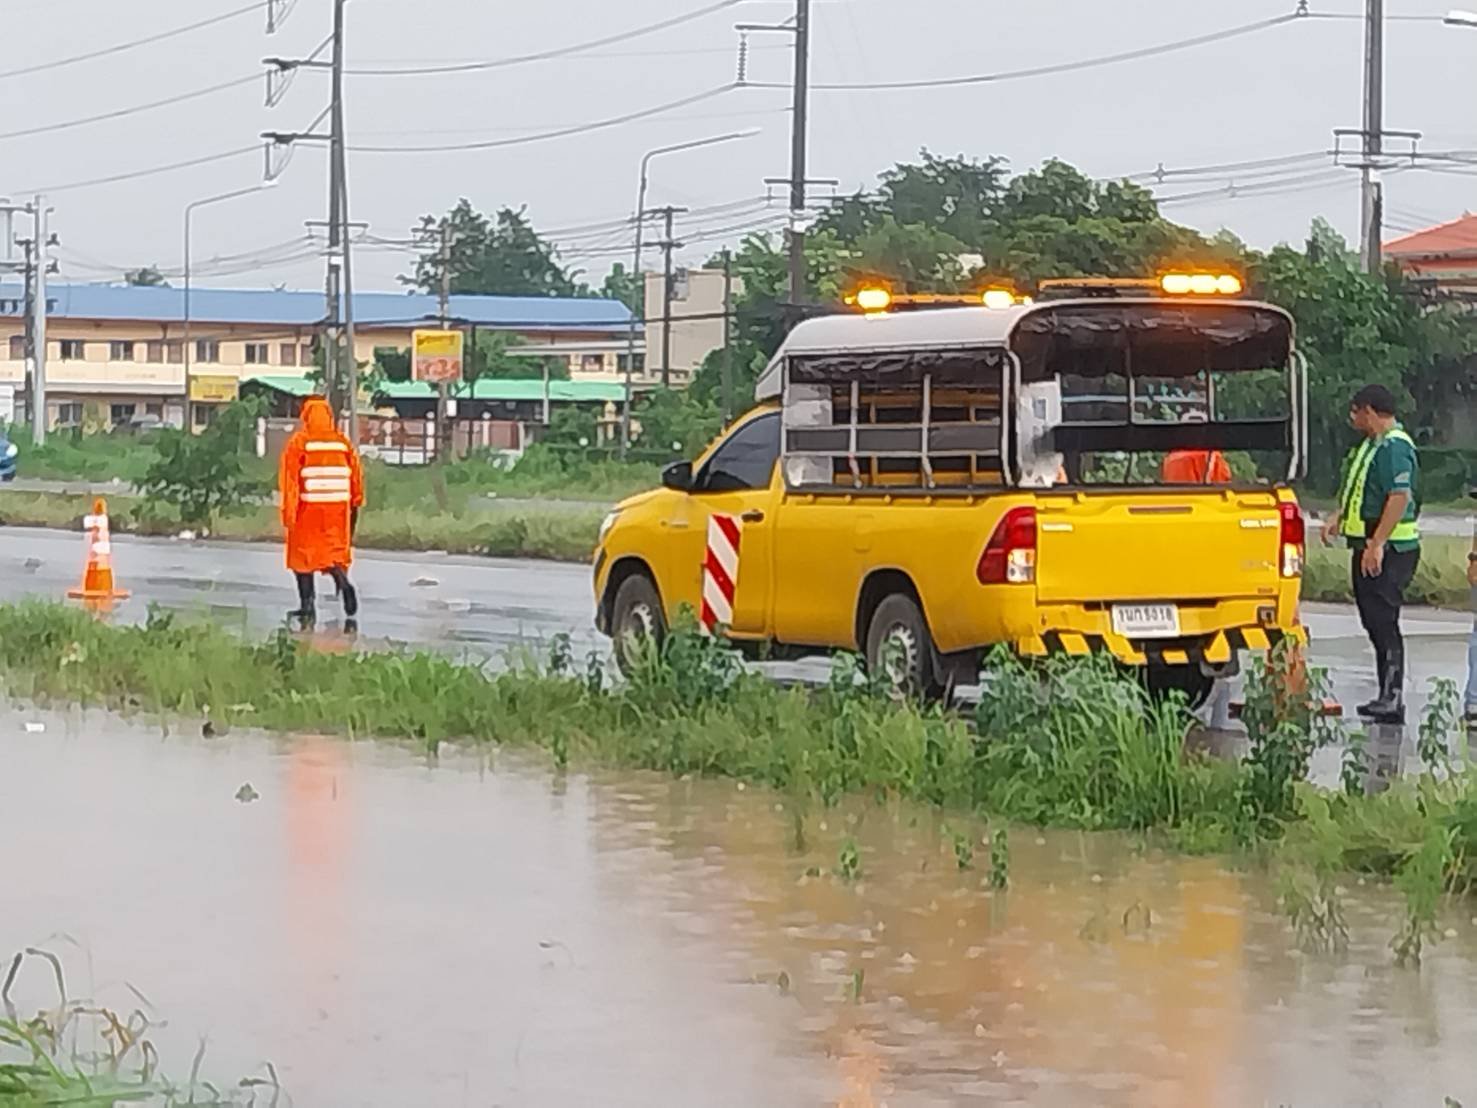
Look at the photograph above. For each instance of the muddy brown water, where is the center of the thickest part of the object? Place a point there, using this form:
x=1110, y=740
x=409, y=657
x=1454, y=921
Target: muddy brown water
x=482, y=931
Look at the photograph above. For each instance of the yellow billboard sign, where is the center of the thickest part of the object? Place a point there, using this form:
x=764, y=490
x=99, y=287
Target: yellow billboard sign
x=209, y=388
x=437, y=356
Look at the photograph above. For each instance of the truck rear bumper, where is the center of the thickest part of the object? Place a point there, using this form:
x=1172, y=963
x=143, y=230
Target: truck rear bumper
x=1214, y=647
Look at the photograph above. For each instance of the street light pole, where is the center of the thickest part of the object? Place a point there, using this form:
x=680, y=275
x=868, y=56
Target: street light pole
x=189, y=213
x=636, y=275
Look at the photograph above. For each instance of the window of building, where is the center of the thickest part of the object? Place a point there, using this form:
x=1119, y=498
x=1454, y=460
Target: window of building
x=17, y=348
x=592, y=363
x=122, y=414
x=155, y=411
x=207, y=350
x=204, y=413
x=639, y=365
x=176, y=351
x=307, y=358
x=746, y=460
x=122, y=351
x=154, y=352
x=73, y=350
x=287, y=353
x=256, y=353
x=69, y=414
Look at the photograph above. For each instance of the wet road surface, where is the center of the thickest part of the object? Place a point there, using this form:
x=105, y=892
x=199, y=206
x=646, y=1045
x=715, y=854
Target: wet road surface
x=391, y=932
x=488, y=606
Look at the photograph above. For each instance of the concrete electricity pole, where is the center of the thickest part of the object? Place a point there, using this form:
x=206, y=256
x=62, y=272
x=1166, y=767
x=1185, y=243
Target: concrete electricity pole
x=341, y=367
x=799, y=123
x=668, y=245
x=443, y=391
x=1370, y=193
x=38, y=265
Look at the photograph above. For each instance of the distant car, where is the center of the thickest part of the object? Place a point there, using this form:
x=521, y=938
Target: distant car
x=8, y=455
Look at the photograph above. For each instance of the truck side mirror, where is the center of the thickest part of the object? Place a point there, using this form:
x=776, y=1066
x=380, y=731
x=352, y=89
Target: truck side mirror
x=678, y=476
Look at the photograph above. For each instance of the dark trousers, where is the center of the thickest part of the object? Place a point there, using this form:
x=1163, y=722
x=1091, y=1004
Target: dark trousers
x=1379, y=600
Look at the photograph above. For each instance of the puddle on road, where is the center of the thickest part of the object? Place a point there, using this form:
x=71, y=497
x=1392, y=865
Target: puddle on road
x=387, y=932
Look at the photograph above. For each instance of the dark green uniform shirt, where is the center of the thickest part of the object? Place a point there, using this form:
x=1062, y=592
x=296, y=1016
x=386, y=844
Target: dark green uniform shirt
x=1396, y=468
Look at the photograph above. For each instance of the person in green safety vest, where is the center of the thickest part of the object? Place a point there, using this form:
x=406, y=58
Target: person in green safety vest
x=1378, y=509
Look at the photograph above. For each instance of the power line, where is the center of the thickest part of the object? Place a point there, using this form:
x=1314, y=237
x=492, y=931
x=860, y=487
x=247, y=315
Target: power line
x=119, y=113
x=1161, y=173
x=137, y=173
x=1048, y=70
x=564, y=132
x=545, y=55
x=119, y=48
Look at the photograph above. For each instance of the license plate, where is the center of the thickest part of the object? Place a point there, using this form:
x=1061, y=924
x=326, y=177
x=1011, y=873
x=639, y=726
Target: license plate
x=1146, y=621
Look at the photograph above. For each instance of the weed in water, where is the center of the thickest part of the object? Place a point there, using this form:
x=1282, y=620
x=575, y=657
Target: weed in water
x=854, y=986
x=848, y=861
x=999, y=858
x=963, y=850
x=1442, y=715
x=1354, y=767
x=1422, y=880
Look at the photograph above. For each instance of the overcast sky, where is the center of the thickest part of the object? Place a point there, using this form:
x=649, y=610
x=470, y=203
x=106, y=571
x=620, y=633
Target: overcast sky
x=1277, y=92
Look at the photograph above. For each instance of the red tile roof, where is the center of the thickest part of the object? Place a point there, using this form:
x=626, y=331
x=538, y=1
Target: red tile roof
x=1459, y=236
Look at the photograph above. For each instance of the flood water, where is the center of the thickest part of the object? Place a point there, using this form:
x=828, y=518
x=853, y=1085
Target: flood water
x=485, y=932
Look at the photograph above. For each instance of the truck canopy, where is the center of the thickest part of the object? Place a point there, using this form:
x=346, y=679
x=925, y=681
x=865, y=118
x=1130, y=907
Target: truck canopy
x=979, y=397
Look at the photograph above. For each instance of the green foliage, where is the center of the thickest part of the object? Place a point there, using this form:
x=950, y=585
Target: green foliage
x=999, y=859
x=674, y=423
x=848, y=860
x=202, y=476
x=1077, y=743
x=620, y=285
x=147, y=277
x=502, y=255
x=99, y=457
x=1283, y=730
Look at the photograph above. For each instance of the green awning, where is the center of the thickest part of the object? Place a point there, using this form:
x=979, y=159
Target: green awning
x=511, y=389
x=283, y=383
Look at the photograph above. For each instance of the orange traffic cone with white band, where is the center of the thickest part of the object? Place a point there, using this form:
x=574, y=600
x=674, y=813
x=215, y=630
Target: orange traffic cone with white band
x=97, y=577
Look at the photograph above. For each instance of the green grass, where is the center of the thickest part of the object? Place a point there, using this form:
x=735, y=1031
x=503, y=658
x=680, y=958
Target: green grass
x=1440, y=579
x=558, y=533
x=66, y=457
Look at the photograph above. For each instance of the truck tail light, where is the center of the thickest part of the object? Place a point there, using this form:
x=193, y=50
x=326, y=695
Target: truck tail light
x=1293, y=540
x=1010, y=555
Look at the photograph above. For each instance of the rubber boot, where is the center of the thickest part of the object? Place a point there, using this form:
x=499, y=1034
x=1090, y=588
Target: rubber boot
x=1381, y=668
x=346, y=590
x=1390, y=707
x=306, y=613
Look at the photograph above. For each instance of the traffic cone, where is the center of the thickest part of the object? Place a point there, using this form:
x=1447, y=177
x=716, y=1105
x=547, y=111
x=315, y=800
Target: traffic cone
x=97, y=578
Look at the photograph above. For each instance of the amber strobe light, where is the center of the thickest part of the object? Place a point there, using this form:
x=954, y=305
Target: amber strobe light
x=1201, y=284
x=873, y=299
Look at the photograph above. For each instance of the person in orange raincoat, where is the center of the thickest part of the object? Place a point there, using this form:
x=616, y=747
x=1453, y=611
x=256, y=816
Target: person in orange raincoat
x=322, y=489
x=1195, y=467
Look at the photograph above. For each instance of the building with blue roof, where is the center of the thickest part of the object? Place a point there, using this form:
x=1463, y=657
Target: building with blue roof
x=116, y=354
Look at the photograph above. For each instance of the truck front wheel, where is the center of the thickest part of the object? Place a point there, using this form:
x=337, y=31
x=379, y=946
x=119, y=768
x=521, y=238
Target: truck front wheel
x=636, y=618
x=900, y=650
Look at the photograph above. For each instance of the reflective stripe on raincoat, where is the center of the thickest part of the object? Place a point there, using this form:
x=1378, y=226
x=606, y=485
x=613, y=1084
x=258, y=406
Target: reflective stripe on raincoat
x=320, y=481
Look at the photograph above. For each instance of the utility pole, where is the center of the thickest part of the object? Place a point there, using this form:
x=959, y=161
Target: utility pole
x=341, y=367
x=668, y=245
x=727, y=335
x=443, y=391
x=39, y=249
x=798, y=123
x=1370, y=193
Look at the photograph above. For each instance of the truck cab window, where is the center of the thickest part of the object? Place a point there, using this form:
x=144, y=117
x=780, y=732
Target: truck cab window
x=746, y=460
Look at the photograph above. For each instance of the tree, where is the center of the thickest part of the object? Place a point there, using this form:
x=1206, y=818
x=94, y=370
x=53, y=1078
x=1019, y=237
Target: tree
x=202, y=476
x=620, y=285
x=146, y=277
x=488, y=354
x=502, y=256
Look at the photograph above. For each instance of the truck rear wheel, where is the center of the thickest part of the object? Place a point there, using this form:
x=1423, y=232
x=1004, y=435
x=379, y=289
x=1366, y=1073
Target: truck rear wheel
x=1190, y=681
x=900, y=649
x=636, y=617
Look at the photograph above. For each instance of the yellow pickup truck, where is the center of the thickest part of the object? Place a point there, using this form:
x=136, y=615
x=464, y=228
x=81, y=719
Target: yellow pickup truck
x=920, y=486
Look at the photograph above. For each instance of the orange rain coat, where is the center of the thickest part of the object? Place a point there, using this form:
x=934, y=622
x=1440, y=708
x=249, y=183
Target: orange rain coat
x=320, y=481
x=1196, y=467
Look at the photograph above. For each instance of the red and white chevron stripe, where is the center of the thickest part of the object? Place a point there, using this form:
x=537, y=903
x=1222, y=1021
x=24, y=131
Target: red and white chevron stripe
x=720, y=571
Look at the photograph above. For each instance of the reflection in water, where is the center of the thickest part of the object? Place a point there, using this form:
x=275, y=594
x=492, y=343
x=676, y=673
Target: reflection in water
x=387, y=932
